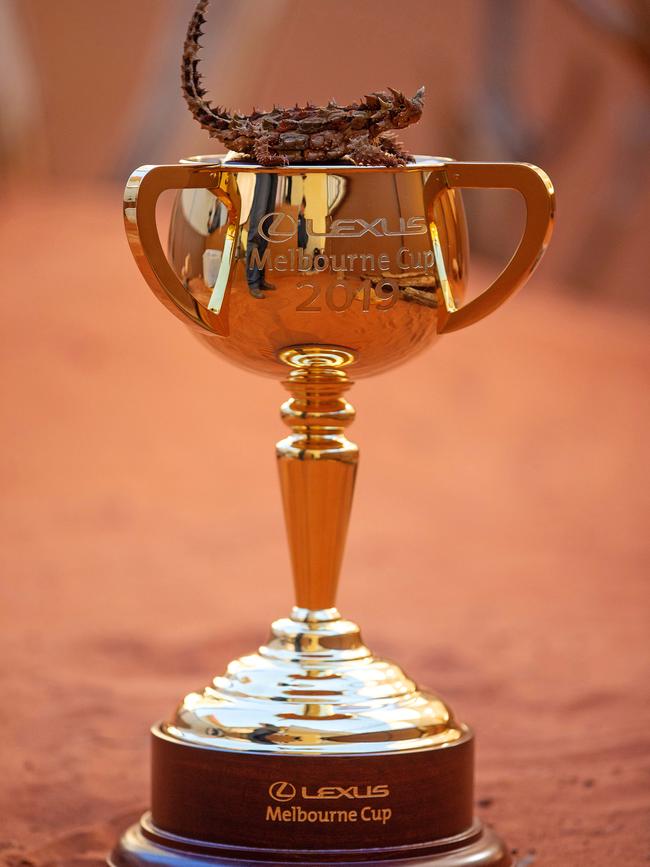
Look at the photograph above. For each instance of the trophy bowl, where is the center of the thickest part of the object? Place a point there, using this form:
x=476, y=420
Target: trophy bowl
x=369, y=258
x=350, y=252
x=311, y=750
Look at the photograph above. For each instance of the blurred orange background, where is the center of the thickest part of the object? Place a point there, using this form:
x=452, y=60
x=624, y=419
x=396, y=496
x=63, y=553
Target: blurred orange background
x=499, y=542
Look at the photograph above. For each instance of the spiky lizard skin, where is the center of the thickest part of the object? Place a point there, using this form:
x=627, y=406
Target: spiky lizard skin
x=359, y=133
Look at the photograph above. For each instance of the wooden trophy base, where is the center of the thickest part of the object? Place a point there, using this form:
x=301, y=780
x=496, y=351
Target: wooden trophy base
x=214, y=808
x=142, y=845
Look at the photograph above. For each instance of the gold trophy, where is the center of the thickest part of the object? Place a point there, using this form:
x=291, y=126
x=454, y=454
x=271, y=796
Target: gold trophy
x=312, y=750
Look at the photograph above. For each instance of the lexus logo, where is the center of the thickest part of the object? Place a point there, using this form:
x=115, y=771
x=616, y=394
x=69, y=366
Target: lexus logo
x=277, y=227
x=282, y=791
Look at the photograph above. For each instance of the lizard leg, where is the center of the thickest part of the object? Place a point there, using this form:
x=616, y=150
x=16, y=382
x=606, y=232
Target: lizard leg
x=266, y=155
x=363, y=152
x=393, y=146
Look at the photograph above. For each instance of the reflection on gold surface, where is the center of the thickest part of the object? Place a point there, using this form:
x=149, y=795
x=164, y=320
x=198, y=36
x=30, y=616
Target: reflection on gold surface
x=317, y=465
x=314, y=687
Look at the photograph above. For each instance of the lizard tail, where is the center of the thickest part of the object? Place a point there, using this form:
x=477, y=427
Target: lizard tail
x=209, y=118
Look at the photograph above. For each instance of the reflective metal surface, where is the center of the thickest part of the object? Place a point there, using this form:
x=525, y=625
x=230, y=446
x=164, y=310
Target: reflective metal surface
x=317, y=464
x=372, y=259
x=314, y=688
x=317, y=275
x=348, y=251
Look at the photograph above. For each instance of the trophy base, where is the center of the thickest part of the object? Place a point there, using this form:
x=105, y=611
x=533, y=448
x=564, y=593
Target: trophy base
x=215, y=807
x=143, y=845
x=311, y=751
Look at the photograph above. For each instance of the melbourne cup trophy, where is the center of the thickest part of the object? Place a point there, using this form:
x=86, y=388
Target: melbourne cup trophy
x=316, y=251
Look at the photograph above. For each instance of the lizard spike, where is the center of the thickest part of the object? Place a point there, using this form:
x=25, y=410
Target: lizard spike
x=358, y=131
x=191, y=79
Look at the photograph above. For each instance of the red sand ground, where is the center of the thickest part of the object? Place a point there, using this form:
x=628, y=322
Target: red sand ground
x=497, y=546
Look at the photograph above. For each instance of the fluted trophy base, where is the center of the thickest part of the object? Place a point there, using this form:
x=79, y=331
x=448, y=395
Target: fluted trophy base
x=311, y=751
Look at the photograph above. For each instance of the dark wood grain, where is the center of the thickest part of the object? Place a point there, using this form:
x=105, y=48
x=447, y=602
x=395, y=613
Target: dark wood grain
x=256, y=807
x=221, y=796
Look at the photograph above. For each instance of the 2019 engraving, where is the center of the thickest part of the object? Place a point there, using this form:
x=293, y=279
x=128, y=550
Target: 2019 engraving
x=339, y=297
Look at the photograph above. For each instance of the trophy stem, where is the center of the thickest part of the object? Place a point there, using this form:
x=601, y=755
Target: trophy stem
x=317, y=465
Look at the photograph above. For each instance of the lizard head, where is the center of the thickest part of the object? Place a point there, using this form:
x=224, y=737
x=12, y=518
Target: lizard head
x=404, y=111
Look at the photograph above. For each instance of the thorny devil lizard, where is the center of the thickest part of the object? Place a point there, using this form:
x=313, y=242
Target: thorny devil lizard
x=357, y=133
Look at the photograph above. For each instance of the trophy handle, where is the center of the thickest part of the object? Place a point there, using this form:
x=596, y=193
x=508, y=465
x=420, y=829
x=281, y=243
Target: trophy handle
x=142, y=192
x=537, y=190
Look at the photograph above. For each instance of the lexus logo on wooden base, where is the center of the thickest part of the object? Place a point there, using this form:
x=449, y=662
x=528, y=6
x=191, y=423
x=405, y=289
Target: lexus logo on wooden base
x=282, y=791
x=287, y=791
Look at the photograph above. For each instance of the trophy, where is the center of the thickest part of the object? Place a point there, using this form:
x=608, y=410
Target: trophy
x=312, y=750
x=320, y=252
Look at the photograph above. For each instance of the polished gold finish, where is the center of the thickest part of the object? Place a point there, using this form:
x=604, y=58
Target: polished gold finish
x=537, y=190
x=314, y=688
x=143, y=189
x=316, y=274
x=389, y=287
x=318, y=466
